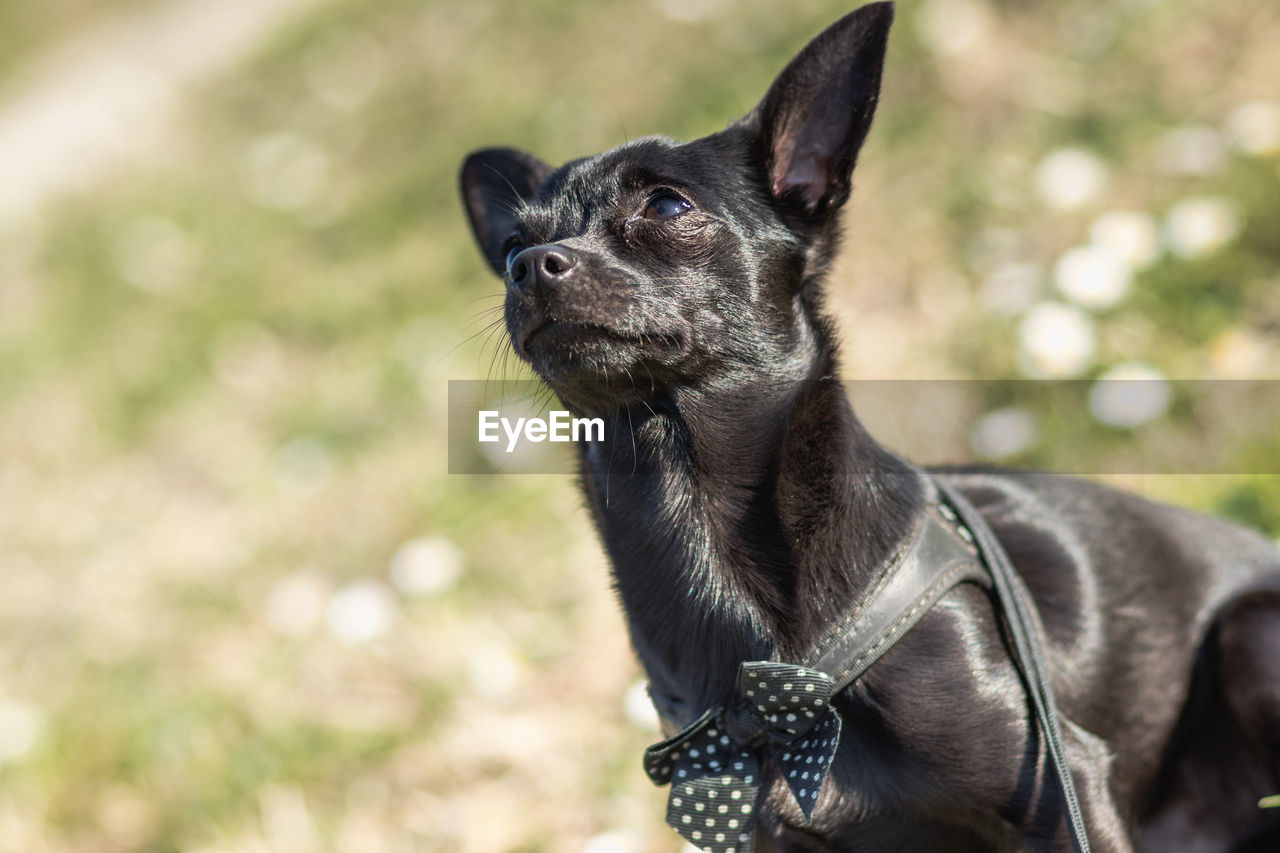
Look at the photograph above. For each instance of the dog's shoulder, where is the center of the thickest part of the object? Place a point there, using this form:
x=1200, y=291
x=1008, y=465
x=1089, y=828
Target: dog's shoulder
x=1071, y=532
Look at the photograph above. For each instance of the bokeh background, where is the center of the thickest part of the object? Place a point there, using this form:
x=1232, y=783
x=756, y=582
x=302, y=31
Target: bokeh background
x=246, y=608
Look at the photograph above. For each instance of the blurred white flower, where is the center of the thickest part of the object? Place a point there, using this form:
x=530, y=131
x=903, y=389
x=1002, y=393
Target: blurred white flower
x=1057, y=341
x=1191, y=151
x=345, y=70
x=155, y=254
x=614, y=841
x=426, y=566
x=1238, y=353
x=690, y=10
x=1003, y=433
x=303, y=466
x=21, y=724
x=638, y=707
x=295, y=604
x=1092, y=276
x=1070, y=177
x=1198, y=226
x=1012, y=288
x=1129, y=395
x=953, y=27
x=359, y=612
x=495, y=672
x=286, y=171
x=1254, y=128
x=1131, y=235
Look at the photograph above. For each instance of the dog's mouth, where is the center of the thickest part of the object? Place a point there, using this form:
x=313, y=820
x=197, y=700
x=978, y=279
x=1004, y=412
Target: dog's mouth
x=551, y=336
x=559, y=349
x=551, y=333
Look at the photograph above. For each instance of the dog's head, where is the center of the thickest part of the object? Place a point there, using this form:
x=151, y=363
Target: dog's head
x=660, y=264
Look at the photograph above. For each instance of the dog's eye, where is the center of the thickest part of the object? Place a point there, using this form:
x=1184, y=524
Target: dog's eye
x=516, y=248
x=666, y=206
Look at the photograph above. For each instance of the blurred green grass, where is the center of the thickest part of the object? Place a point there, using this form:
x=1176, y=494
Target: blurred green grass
x=223, y=378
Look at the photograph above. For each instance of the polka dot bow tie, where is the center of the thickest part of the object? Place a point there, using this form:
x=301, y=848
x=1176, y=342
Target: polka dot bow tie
x=713, y=764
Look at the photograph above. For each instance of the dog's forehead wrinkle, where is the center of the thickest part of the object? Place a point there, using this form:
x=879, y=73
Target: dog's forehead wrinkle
x=577, y=199
x=650, y=161
x=603, y=174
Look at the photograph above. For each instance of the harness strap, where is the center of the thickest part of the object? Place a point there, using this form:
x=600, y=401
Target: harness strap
x=935, y=559
x=1024, y=631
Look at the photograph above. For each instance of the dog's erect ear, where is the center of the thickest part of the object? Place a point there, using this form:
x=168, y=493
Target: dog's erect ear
x=494, y=181
x=817, y=113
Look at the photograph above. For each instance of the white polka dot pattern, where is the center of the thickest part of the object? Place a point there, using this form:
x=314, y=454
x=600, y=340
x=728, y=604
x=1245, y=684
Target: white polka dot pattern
x=714, y=776
x=804, y=763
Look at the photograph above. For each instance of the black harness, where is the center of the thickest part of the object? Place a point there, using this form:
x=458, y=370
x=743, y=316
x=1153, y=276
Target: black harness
x=713, y=762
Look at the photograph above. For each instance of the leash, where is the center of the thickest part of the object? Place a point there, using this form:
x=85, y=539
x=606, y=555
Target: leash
x=784, y=710
x=1024, y=630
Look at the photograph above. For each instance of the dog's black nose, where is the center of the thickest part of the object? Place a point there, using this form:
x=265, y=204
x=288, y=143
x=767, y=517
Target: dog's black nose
x=541, y=267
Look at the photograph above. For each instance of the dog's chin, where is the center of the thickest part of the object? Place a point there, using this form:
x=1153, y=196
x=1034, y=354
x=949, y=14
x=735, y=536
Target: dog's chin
x=595, y=368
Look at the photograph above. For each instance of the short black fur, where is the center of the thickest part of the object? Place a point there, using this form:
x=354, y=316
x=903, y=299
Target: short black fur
x=674, y=289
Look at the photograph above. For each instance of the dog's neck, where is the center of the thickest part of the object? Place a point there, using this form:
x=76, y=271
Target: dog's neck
x=742, y=520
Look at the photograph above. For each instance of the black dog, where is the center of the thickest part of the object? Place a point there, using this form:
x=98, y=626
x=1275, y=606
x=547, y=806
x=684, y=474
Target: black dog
x=675, y=290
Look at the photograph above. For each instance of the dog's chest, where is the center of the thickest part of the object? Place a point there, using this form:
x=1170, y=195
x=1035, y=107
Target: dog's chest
x=925, y=757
